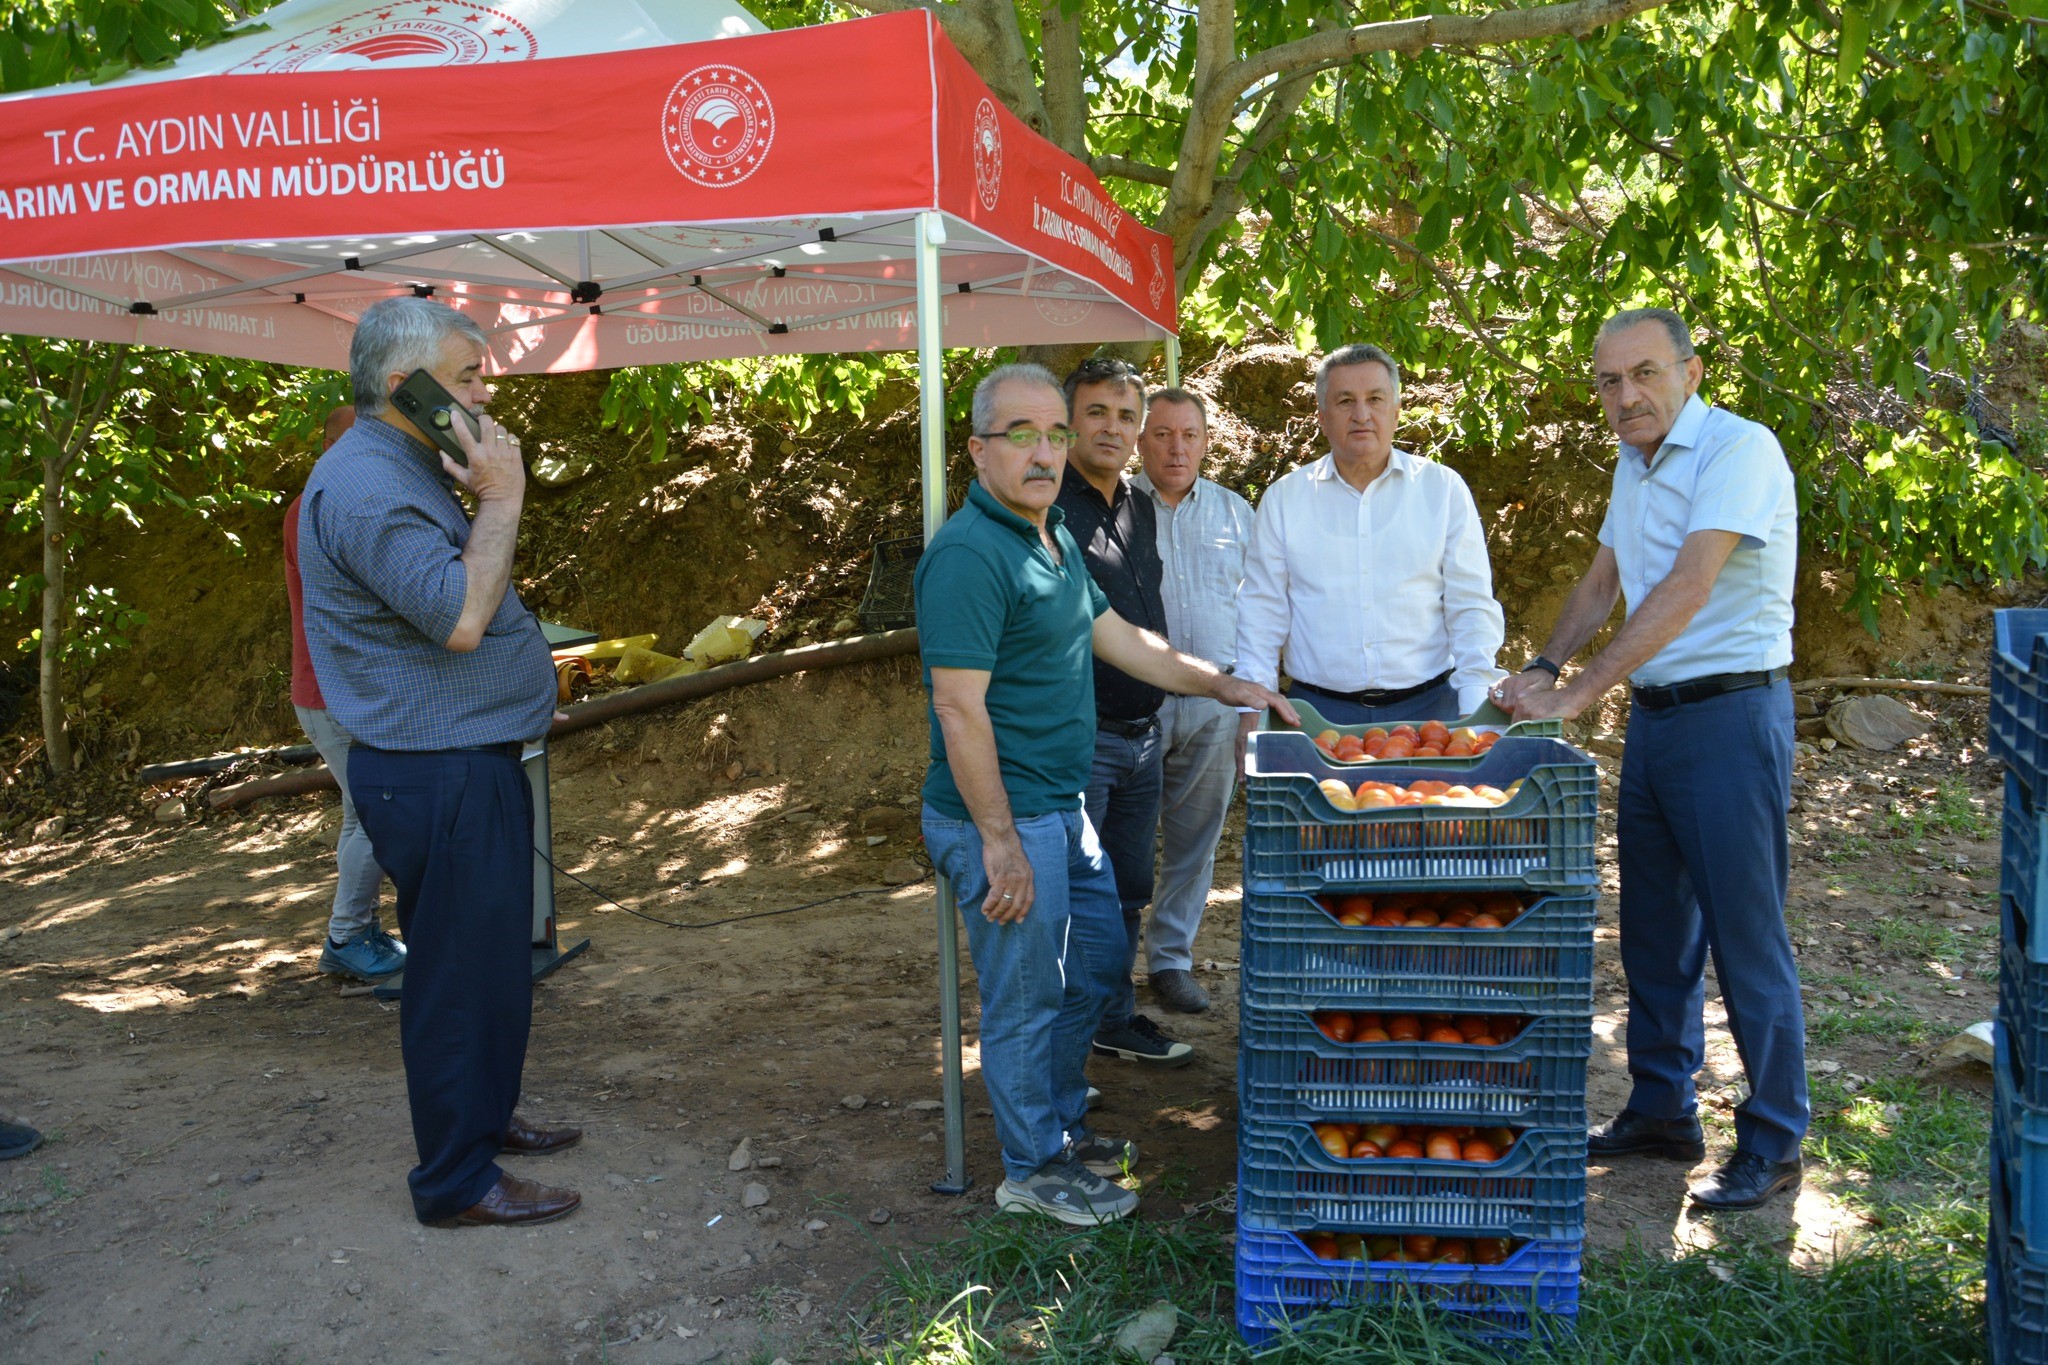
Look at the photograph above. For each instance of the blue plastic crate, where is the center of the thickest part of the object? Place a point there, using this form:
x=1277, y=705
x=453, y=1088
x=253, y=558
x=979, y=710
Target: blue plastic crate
x=2019, y=1137
x=2019, y=692
x=1295, y=956
x=1286, y=1182
x=1279, y=1280
x=2015, y=1283
x=2022, y=1010
x=2021, y=872
x=1289, y=1072
x=1295, y=840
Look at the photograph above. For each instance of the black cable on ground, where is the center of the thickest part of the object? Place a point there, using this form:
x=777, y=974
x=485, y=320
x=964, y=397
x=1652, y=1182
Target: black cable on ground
x=718, y=923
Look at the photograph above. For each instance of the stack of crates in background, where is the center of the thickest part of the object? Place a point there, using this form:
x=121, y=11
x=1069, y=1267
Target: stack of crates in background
x=1316, y=1231
x=2016, y=1283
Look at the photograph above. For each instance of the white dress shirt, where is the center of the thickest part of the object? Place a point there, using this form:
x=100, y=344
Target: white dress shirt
x=1714, y=472
x=1202, y=545
x=1377, y=590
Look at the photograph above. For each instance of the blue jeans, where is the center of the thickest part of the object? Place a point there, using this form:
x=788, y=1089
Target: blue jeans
x=355, y=895
x=1043, y=980
x=1701, y=826
x=1123, y=805
x=1439, y=703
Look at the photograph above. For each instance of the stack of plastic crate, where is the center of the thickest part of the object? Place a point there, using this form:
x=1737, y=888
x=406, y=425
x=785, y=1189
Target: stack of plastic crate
x=1301, y=852
x=2016, y=1286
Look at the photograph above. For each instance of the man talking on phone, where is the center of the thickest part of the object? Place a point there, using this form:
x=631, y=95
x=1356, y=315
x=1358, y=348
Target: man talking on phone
x=429, y=660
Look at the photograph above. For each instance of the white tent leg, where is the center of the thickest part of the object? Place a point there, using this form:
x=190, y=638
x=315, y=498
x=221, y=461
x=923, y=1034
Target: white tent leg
x=1173, y=362
x=931, y=384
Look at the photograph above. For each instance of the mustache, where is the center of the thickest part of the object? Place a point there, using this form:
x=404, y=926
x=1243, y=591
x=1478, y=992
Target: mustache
x=1038, y=473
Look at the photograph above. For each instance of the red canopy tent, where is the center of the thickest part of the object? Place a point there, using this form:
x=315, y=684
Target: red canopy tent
x=848, y=187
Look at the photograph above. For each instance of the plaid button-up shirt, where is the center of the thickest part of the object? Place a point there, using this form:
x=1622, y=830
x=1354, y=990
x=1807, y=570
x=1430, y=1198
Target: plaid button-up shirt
x=381, y=534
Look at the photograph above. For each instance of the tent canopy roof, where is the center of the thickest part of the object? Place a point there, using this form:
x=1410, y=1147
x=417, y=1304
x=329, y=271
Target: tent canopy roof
x=748, y=195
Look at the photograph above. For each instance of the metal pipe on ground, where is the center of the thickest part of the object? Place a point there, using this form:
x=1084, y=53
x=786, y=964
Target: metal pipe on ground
x=860, y=649
x=151, y=773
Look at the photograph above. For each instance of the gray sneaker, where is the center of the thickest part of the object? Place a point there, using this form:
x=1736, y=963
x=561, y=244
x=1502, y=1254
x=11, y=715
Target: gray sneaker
x=1106, y=1156
x=1065, y=1189
x=364, y=957
x=1178, y=990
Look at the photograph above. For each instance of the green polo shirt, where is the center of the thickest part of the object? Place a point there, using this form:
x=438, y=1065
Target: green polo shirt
x=990, y=598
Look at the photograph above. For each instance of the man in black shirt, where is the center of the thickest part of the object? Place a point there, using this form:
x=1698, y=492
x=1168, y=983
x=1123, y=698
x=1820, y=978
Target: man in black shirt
x=1117, y=530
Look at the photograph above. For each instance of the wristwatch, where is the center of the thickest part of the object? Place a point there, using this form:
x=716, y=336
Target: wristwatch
x=1548, y=667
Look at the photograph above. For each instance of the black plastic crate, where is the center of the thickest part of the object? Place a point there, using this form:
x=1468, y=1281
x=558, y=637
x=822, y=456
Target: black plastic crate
x=1288, y=1183
x=1280, y=1281
x=2019, y=692
x=890, y=602
x=1542, y=838
x=1295, y=956
x=1289, y=1072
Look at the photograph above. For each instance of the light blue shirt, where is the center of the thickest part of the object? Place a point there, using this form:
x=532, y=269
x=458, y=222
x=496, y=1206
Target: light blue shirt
x=1201, y=549
x=1714, y=472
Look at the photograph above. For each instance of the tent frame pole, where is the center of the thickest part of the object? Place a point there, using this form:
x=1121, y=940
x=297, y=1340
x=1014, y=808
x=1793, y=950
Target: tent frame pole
x=1173, y=362
x=931, y=389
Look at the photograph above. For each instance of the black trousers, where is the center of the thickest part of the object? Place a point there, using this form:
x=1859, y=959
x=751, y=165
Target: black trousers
x=454, y=831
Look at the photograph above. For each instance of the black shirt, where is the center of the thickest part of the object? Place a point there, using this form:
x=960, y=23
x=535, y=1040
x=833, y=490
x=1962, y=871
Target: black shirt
x=1120, y=544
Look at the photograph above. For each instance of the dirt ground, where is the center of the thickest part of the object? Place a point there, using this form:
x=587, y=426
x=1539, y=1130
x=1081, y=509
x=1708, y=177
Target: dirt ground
x=224, y=1178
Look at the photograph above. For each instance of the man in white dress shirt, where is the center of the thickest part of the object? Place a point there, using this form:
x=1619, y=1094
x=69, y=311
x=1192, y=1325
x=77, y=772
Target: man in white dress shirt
x=1203, y=531
x=1368, y=569
x=1701, y=543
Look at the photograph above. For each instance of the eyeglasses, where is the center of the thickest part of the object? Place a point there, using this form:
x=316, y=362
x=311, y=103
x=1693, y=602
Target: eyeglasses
x=1027, y=438
x=1608, y=385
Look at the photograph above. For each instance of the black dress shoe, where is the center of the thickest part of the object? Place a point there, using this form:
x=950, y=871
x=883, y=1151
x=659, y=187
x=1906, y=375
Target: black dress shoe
x=1746, y=1180
x=1633, y=1134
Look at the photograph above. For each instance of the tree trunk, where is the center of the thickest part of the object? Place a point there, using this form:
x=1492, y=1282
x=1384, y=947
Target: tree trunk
x=56, y=742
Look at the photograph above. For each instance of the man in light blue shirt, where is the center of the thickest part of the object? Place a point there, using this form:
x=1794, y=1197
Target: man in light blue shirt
x=1203, y=531
x=1701, y=540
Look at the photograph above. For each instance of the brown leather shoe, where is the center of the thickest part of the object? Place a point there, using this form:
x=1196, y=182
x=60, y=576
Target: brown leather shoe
x=513, y=1201
x=523, y=1138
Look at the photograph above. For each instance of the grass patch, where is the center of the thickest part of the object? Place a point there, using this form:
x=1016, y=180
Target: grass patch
x=1912, y=1158
x=1829, y=1024
x=1951, y=810
x=1010, y=1290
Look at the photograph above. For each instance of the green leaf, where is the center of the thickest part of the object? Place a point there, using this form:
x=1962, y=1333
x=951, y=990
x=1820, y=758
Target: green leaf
x=1854, y=43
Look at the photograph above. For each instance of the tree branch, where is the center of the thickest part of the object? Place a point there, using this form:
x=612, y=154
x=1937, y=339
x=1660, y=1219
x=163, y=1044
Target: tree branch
x=1066, y=98
x=1123, y=168
x=1411, y=36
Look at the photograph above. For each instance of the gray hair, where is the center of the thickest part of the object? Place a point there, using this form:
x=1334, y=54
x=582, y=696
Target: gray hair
x=1673, y=325
x=1193, y=400
x=1358, y=353
x=403, y=333
x=1018, y=373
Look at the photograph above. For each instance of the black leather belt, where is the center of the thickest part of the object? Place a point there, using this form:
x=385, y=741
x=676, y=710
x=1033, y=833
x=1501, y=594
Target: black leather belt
x=1378, y=696
x=1127, y=729
x=1699, y=689
x=511, y=748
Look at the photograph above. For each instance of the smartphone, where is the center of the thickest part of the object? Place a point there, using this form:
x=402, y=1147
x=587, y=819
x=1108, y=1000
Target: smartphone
x=434, y=411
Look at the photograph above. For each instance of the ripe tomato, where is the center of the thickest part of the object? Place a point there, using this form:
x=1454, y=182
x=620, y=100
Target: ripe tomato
x=1371, y=1035
x=1478, y=1150
x=1332, y=1141
x=1452, y=1251
x=1336, y=1026
x=1407, y=1148
x=1443, y=1033
x=1489, y=1250
x=1404, y=1028
x=1442, y=1147
x=1420, y=1245
x=1382, y=1133
x=1322, y=1244
x=1364, y=1149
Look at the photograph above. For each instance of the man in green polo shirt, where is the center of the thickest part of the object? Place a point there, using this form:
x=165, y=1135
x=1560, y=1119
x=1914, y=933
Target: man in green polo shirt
x=1008, y=619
